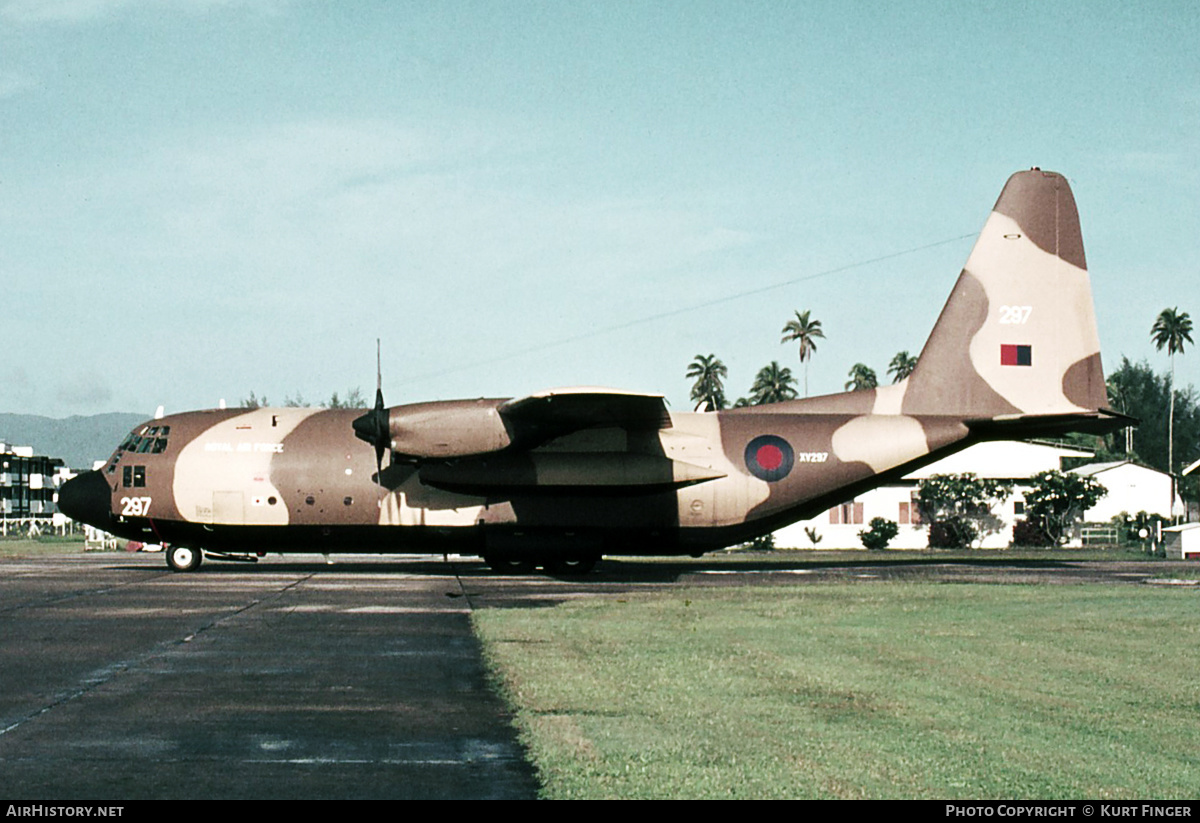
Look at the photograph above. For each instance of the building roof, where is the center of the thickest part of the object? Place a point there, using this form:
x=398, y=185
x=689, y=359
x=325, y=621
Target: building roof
x=1092, y=469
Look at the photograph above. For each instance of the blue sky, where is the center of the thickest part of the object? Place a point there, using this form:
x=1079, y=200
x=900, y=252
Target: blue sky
x=204, y=198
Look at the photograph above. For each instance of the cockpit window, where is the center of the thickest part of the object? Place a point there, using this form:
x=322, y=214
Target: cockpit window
x=149, y=440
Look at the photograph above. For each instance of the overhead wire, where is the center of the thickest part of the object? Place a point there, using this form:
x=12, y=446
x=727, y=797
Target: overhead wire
x=651, y=318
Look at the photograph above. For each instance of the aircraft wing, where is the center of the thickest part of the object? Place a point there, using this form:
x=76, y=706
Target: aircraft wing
x=560, y=411
x=520, y=467
x=448, y=430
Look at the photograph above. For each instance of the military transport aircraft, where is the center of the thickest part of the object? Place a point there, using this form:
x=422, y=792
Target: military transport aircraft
x=562, y=477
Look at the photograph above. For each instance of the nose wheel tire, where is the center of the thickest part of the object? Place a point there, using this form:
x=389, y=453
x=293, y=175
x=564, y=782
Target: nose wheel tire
x=184, y=558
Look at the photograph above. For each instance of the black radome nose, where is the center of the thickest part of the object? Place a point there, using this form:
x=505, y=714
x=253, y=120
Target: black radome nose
x=88, y=499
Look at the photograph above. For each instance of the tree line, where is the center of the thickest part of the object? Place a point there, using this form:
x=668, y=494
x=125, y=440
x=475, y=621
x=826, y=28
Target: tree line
x=775, y=383
x=354, y=400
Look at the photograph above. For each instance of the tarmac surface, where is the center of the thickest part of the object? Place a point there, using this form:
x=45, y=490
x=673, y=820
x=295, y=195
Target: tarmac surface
x=293, y=678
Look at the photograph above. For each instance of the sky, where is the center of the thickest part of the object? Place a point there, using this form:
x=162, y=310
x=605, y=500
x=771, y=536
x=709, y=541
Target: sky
x=200, y=199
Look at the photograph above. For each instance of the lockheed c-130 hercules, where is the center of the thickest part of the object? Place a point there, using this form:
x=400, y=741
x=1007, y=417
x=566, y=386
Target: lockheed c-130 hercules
x=562, y=477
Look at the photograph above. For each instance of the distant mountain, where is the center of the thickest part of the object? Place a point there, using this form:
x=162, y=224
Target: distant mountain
x=77, y=441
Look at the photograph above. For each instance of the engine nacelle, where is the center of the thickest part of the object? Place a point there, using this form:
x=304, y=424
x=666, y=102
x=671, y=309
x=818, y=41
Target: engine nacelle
x=450, y=428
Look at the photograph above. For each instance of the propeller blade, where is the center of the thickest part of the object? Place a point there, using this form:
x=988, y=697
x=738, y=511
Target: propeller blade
x=373, y=427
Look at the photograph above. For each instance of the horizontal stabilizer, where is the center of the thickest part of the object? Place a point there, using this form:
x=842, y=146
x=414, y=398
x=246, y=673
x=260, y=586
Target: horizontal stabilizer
x=1023, y=426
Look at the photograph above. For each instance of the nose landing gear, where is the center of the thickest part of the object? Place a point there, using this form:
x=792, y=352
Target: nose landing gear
x=184, y=558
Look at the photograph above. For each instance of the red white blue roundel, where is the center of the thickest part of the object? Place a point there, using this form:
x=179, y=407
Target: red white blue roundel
x=769, y=457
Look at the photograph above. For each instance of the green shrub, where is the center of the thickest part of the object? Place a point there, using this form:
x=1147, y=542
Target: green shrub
x=1029, y=533
x=879, y=534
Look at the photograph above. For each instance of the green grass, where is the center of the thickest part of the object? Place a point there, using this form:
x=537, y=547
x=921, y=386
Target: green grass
x=15, y=548
x=858, y=690
x=942, y=555
x=900, y=556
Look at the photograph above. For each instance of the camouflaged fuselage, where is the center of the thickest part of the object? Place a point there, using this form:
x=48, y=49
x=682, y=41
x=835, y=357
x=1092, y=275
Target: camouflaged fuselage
x=297, y=479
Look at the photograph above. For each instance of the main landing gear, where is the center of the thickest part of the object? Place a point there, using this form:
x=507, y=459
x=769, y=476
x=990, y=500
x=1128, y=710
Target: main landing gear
x=572, y=566
x=566, y=566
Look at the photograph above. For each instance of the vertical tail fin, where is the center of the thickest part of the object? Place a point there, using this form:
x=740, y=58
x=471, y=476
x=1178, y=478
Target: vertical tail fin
x=1018, y=335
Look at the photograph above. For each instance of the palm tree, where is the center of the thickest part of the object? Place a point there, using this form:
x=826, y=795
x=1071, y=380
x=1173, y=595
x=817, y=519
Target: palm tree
x=806, y=330
x=773, y=384
x=708, y=389
x=902, y=366
x=1171, y=330
x=861, y=377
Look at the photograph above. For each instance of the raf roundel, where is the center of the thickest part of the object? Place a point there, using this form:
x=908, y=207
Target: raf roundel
x=769, y=457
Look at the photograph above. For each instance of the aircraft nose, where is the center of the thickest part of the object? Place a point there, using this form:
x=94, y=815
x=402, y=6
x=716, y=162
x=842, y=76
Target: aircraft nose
x=87, y=498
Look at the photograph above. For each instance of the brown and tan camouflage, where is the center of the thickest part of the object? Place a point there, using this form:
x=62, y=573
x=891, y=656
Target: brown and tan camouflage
x=568, y=475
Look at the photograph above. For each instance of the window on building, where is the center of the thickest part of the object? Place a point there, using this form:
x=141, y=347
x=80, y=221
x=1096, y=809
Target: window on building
x=847, y=513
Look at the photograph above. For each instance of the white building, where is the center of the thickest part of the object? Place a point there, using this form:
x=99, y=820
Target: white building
x=27, y=484
x=1133, y=489
x=1182, y=542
